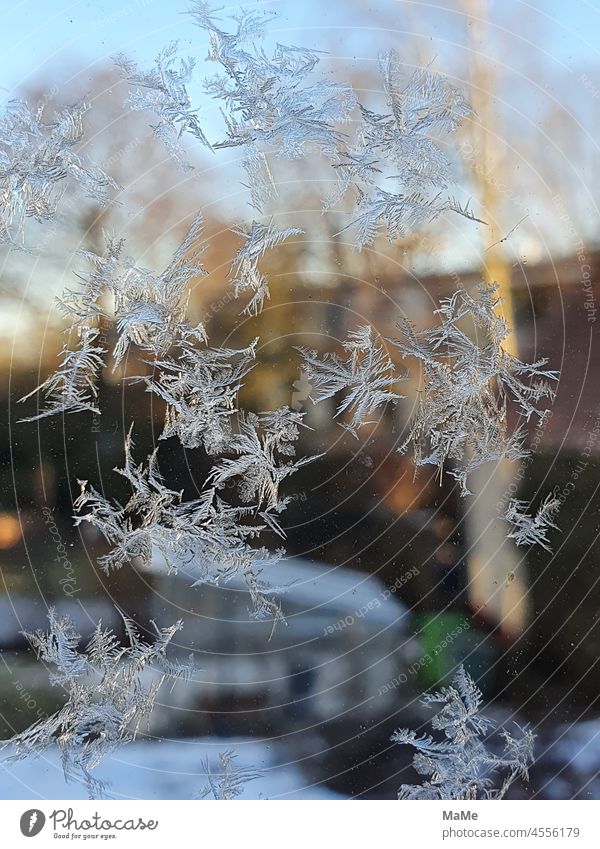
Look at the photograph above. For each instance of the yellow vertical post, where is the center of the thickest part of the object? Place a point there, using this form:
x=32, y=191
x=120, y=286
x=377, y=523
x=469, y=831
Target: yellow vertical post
x=497, y=572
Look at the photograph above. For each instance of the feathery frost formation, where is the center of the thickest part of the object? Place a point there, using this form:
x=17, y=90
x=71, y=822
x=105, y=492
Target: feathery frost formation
x=461, y=766
x=271, y=106
x=392, y=176
x=38, y=160
x=110, y=692
x=207, y=536
x=163, y=90
x=72, y=388
x=466, y=384
x=230, y=780
x=530, y=529
x=367, y=374
x=260, y=466
x=148, y=309
x=461, y=417
x=245, y=273
x=275, y=109
x=200, y=387
x=395, y=147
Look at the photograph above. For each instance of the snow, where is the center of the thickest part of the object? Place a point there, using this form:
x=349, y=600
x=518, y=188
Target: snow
x=312, y=588
x=164, y=769
x=578, y=745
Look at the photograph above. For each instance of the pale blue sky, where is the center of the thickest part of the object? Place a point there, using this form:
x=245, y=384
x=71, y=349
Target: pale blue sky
x=38, y=37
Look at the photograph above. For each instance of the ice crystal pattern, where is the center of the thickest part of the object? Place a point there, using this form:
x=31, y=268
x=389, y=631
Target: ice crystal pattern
x=528, y=529
x=462, y=766
x=73, y=387
x=200, y=387
x=148, y=308
x=262, y=448
x=207, y=537
x=461, y=417
x=245, y=273
x=366, y=375
x=229, y=781
x=38, y=161
x=395, y=148
x=392, y=176
x=110, y=692
x=271, y=105
x=163, y=90
x=275, y=108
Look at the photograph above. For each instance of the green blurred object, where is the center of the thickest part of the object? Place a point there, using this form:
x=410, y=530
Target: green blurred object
x=449, y=639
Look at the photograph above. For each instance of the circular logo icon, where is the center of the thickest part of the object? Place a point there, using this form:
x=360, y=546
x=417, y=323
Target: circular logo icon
x=32, y=822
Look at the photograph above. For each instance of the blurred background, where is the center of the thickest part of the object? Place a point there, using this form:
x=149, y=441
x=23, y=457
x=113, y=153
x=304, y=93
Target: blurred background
x=394, y=579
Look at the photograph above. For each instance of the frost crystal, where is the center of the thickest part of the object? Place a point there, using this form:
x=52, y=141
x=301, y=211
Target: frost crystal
x=108, y=689
x=273, y=109
x=72, y=388
x=149, y=311
x=162, y=90
x=150, y=307
x=200, y=387
x=245, y=273
x=396, y=175
x=272, y=106
x=229, y=782
x=532, y=530
x=396, y=146
x=261, y=444
x=38, y=161
x=462, y=766
x=461, y=415
x=205, y=536
x=367, y=372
